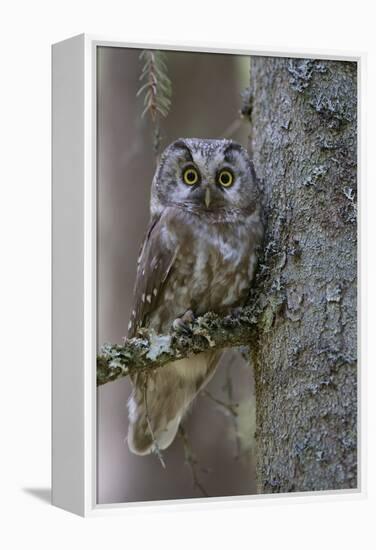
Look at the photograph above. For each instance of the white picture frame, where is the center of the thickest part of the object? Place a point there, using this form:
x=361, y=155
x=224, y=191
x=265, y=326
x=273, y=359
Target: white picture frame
x=74, y=278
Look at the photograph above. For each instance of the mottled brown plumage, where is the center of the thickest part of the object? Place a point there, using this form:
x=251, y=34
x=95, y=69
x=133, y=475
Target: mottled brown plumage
x=199, y=254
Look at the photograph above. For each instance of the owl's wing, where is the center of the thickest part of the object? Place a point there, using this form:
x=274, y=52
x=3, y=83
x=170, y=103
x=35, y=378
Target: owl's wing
x=154, y=266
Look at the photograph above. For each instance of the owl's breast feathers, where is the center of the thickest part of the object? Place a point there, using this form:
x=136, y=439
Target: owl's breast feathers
x=187, y=263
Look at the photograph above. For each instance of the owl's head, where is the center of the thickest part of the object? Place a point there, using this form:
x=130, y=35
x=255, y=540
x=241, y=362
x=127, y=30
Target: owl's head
x=207, y=176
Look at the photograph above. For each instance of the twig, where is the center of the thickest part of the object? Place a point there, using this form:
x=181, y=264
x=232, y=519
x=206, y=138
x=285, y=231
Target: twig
x=228, y=406
x=229, y=388
x=156, y=448
x=232, y=128
x=191, y=460
x=157, y=89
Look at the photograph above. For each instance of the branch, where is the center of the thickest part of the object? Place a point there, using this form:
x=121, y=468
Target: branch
x=151, y=350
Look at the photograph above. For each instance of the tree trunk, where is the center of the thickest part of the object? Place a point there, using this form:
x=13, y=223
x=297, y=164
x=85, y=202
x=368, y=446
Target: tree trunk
x=303, y=142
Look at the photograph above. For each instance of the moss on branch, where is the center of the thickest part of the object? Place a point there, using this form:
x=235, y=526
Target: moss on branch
x=151, y=350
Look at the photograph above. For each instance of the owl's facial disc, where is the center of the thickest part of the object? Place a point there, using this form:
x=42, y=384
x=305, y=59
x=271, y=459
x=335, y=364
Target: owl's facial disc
x=204, y=175
x=200, y=190
x=204, y=186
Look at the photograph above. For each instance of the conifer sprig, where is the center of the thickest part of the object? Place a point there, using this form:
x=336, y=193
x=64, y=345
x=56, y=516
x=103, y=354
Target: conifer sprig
x=156, y=84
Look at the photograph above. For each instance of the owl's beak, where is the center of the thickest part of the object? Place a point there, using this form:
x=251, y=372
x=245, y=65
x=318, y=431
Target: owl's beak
x=207, y=197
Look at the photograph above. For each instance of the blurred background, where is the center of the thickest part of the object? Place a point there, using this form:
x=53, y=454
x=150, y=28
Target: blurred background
x=206, y=103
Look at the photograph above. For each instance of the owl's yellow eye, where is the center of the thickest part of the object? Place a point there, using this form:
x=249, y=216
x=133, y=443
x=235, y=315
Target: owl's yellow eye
x=225, y=178
x=190, y=176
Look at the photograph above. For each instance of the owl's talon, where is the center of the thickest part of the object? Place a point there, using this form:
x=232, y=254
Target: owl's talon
x=182, y=324
x=181, y=327
x=188, y=316
x=236, y=312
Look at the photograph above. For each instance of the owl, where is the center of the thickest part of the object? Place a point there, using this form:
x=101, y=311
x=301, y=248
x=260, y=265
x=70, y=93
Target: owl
x=199, y=255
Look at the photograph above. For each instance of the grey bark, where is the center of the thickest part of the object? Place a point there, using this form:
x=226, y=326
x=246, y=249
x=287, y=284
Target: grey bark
x=303, y=143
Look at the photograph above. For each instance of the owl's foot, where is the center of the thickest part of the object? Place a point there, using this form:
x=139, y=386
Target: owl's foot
x=236, y=312
x=183, y=324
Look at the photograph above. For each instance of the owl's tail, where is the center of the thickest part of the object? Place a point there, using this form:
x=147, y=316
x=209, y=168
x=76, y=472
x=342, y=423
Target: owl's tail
x=159, y=402
x=143, y=439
